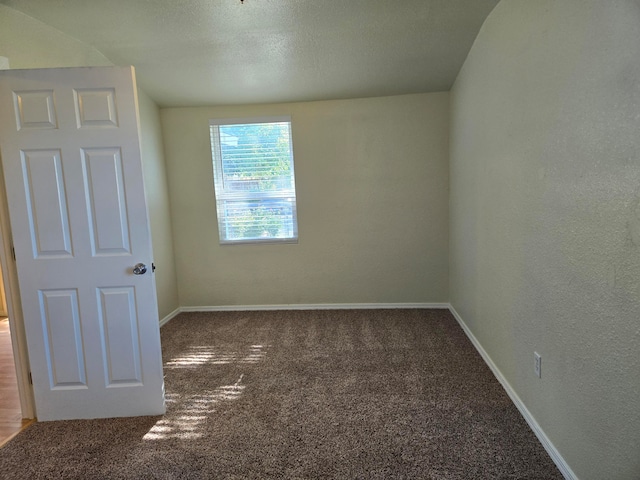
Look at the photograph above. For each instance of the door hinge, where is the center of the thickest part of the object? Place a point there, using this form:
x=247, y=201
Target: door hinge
x=30, y=379
x=13, y=253
x=153, y=267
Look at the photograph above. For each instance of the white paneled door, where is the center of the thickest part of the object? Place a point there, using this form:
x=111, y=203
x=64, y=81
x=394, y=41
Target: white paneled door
x=73, y=174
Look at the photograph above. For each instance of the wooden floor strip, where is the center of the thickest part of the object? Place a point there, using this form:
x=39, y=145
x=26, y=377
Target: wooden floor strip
x=7, y=435
x=11, y=421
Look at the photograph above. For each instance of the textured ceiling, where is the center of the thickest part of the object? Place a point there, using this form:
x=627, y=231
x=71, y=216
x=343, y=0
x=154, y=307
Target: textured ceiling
x=217, y=52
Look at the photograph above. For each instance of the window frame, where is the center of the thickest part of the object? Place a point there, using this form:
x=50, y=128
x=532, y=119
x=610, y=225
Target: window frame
x=221, y=195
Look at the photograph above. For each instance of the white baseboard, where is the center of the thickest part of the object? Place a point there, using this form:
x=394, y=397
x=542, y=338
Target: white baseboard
x=166, y=319
x=313, y=306
x=544, y=440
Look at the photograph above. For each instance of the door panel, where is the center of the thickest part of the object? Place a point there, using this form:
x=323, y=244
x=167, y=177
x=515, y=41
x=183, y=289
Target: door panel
x=73, y=174
x=34, y=109
x=96, y=108
x=63, y=346
x=104, y=184
x=120, y=334
x=46, y=203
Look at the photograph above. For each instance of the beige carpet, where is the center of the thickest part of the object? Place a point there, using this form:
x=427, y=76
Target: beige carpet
x=376, y=394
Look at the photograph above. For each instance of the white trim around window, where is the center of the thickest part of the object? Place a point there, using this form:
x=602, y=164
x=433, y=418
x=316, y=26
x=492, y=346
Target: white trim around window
x=254, y=180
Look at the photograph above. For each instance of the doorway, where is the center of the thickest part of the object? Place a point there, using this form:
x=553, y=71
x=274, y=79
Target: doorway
x=11, y=421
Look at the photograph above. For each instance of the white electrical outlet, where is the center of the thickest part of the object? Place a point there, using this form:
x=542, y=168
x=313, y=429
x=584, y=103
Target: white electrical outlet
x=537, y=365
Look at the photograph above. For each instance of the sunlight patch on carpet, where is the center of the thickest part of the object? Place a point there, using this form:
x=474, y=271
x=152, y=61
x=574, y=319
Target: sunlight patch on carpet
x=199, y=355
x=187, y=415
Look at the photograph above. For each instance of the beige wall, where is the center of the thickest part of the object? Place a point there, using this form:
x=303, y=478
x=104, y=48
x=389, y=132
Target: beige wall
x=372, y=186
x=29, y=43
x=155, y=178
x=545, y=218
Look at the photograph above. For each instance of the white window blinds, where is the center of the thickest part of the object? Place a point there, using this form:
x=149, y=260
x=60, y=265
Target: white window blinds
x=254, y=180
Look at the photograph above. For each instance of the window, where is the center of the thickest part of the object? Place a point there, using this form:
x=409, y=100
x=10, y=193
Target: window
x=254, y=180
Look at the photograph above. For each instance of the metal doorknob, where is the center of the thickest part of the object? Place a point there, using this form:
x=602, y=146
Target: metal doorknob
x=139, y=269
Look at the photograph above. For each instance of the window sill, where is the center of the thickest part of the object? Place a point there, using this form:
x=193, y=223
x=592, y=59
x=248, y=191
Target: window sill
x=254, y=241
